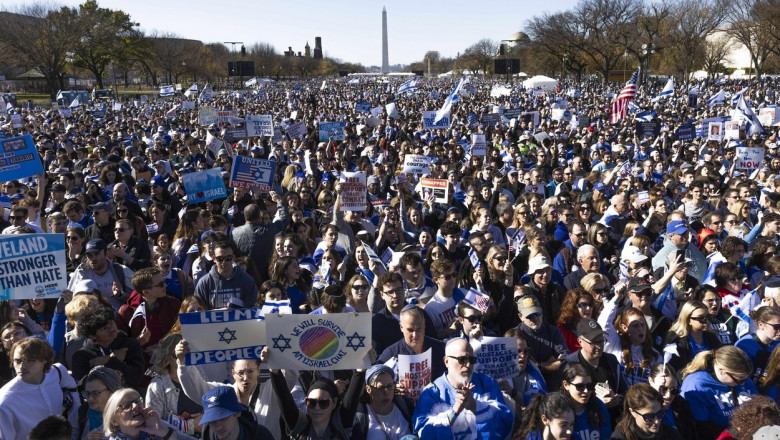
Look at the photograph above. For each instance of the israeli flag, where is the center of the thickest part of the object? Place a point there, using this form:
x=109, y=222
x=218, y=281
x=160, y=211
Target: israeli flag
x=669, y=351
x=75, y=103
x=633, y=108
x=735, y=98
x=667, y=92
x=140, y=312
x=745, y=112
x=742, y=310
x=646, y=116
x=474, y=258
x=207, y=94
x=714, y=261
x=667, y=303
x=720, y=81
x=717, y=99
x=167, y=91
x=354, y=81
x=192, y=90
x=251, y=82
x=453, y=97
x=408, y=86
x=694, y=91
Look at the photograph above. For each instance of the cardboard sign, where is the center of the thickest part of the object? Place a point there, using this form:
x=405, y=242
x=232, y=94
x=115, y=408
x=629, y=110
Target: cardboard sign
x=430, y=116
x=439, y=188
x=768, y=116
x=259, y=125
x=530, y=118
x=223, y=335
x=732, y=129
x=362, y=107
x=417, y=164
x=335, y=341
x=225, y=117
x=685, y=132
x=32, y=266
x=496, y=357
x=185, y=105
x=297, y=130
x=648, y=128
x=715, y=131
x=353, y=192
x=478, y=145
x=490, y=119
x=333, y=130
x=19, y=158
x=749, y=158
x=204, y=185
x=207, y=115
x=414, y=372
x=248, y=172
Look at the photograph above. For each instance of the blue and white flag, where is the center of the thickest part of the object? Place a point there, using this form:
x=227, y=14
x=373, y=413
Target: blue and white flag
x=669, y=351
x=354, y=81
x=75, y=103
x=742, y=310
x=735, y=98
x=207, y=94
x=167, y=90
x=667, y=92
x=408, y=86
x=474, y=258
x=453, y=97
x=271, y=307
x=717, y=99
x=694, y=91
x=140, y=312
x=714, y=261
x=192, y=90
x=633, y=108
x=720, y=81
x=667, y=303
x=646, y=116
x=744, y=111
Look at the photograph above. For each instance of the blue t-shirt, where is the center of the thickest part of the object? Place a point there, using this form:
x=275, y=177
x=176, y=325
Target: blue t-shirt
x=757, y=352
x=586, y=431
x=297, y=298
x=696, y=348
x=710, y=400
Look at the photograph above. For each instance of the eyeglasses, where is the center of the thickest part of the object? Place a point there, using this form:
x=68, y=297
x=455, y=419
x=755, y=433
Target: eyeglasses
x=474, y=318
x=93, y=394
x=224, y=258
x=312, y=403
x=603, y=291
x=448, y=276
x=584, y=387
x=596, y=343
x=245, y=373
x=388, y=387
x=650, y=418
x=672, y=391
x=360, y=286
x=72, y=237
x=121, y=230
x=584, y=305
x=463, y=360
x=397, y=291
x=533, y=316
x=703, y=319
x=776, y=327
x=129, y=405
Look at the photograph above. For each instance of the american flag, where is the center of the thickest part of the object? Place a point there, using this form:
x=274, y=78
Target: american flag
x=250, y=172
x=620, y=106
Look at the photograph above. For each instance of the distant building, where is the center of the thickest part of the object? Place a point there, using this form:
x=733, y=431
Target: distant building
x=317, y=48
x=307, y=50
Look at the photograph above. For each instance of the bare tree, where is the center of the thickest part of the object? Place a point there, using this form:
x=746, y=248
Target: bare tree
x=745, y=26
x=695, y=20
x=479, y=56
x=716, y=50
x=609, y=26
x=562, y=38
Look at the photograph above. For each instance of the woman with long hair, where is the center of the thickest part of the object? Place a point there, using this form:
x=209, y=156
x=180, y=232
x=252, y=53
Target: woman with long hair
x=75, y=238
x=759, y=345
x=715, y=383
x=577, y=304
x=741, y=208
x=590, y=414
x=643, y=415
x=769, y=384
x=598, y=286
x=357, y=289
x=185, y=249
x=663, y=379
x=190, y=304
x=598, y=236
x=756, y=264
x=288, y=273
x=334, y=274
x=383, y=412
x=585, y=212
x=720, y=319
x=690, y=334
x=122, y=211
x=547, y=417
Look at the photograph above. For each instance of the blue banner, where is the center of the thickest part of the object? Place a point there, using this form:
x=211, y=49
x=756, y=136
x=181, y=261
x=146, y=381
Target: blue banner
x=223, y=335
x=32, y=266
x=19, y=158
x=362, y=107
x=333, y=130
x=248, y=172
x=204, y=186
x=685, y=133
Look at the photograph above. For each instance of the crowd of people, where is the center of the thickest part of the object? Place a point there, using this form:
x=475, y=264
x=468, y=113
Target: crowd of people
x=638, y=272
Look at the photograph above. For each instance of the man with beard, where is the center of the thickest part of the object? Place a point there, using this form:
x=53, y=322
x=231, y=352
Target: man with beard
x=112, y=279
x=462, y=402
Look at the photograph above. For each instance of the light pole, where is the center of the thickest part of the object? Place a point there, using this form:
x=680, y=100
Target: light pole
x=647, y=52
x=235, y=61
x=564, y=59
x=69, y=57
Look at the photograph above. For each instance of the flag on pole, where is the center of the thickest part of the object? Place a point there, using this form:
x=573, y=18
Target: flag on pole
x=75, y=103
x=140, y=311
x=720, y=81
x=667, y=92
x=192, y=90
x=717, y=99
x=667, y=303
x=206, y=94
x=742, y=309
x=745, y=112
x=735, y=98
x=646, y=116
x=445, y=109
x=408, y=86
x=167, y=90
x=669, y=351
x=620, y=105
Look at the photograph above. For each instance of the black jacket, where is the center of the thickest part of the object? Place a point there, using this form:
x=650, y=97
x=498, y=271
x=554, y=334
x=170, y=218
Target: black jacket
x=665, y=433
x=257, y=241
x=132, y=369
x=684, y=352
x=250, y=428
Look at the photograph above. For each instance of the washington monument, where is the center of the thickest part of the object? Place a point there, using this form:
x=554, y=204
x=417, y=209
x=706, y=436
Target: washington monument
x=385, y=61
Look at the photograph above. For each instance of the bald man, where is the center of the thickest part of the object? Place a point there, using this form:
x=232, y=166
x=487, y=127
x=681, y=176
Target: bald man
x=461, y=402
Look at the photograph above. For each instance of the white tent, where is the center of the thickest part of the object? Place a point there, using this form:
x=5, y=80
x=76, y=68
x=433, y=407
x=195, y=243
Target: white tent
x=540, y=81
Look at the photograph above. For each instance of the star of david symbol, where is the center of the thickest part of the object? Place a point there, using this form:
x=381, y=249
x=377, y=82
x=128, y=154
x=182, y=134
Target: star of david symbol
x=227, y=336
x=259, y=175
x=356, y=345
x=281, y=343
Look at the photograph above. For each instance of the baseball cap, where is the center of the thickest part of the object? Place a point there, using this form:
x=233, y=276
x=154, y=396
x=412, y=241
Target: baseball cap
x=58, y=187
x=538, y=263
x=158, y=180
x=87, y=286
x=219, y=403
x=528, y=305
x=373, y=179
x=589, y=329
x=95, y=245
x=632, y=254
x=256, y=149
x=769, y=432
x=677, y=227
x=636, y=285
x=599, y=186
x=101, y=206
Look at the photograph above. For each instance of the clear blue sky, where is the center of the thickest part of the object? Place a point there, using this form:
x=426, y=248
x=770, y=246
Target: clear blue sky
x=351, y=30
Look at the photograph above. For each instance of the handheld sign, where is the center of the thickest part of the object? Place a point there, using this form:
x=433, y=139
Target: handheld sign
x=353, y=192
x=32, y=266
x=204, y=185
x=417, y=164
x=19, y=158
x=414, y=372
x=749, y=158
x=335, y=341
x=496, y=357
x=436, y=187
x=429, y=121
x=223, y=335
x=248, y=172
x=207, y=115
x=478, y=145
x=333, y=130
x=297, y=130
x=259, y=125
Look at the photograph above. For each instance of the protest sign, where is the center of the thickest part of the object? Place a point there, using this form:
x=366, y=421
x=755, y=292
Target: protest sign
x=478, y=145
x=259, y=125
x=362, y=107
x=705, y=124
x=429, y=121
x=353, y=192
x=213, y=143
x=438, y=188
x=537, y=188
x=768, y=116
x=685, y=132
x=32, y=266
x=204, y=185
x=530, y=117
x=223, y=335
x=541, y=136
x=19, y=158
x=496, y=357
x=392, y=110
x=490, y=119
x=333, y=130
x=417, y=164
x=749, y=158
x=648, y=128
x=731, y=129
x=376, y=111
x=185, y=105
x=248, y=172
x=65, y=112
x=233, y=134
x=715, y=131
x=16, y=121
x=207, y=115
x=225, y=117
x=336, y=341
x=297, y=130
x=294, y=115
x=561, y=114
x=512, y=113
x=414, y=372
x=643, y=197
x=278, y=136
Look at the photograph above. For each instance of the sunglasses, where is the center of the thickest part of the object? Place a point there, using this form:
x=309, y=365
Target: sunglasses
x=650, y=418
x=601, y=291
x=700, y=319
x=360, y=286
x=672, y=391
x=776, y=327
x=72, y=237
x=463, y=360
x=583, y=387
x=738, y=381
x=120, y=230
x=224, y=259
x=584, y=305
x=500, y=259
x=473, y=318
x=643, y=293
x=312, y=403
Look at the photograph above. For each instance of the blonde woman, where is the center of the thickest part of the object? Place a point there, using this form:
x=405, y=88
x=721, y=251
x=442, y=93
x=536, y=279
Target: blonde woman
x=689, y=333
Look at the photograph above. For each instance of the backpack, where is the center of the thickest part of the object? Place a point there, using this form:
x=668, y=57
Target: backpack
x=67, y=396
